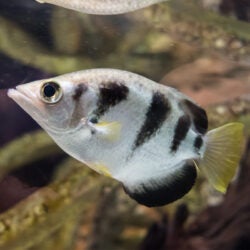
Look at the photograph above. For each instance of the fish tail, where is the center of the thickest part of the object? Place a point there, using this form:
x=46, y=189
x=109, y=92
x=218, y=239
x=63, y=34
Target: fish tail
x=222, y=155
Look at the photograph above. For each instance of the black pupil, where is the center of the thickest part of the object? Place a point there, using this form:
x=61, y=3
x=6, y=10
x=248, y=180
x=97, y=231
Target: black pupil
x=49, y=90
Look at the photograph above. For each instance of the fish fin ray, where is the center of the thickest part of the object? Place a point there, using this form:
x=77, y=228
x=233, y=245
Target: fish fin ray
x=222, y=155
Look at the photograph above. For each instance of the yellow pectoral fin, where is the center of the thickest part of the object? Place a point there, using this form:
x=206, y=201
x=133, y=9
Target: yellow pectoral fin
x=109, y=130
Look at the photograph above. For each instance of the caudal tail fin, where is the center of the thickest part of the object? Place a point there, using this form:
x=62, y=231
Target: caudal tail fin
x=222, y=155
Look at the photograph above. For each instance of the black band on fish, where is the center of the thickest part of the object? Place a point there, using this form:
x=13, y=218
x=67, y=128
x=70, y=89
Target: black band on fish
x=198, y=114
x=79, y=90
x=164, y=190
x=156, y=115
x=110, y=95
x=198, y=142
x=77, y=113
x=180, y=132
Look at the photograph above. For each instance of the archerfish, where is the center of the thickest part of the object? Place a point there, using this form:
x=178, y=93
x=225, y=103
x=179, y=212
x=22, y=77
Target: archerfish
x=102, y=7
x=150, y=137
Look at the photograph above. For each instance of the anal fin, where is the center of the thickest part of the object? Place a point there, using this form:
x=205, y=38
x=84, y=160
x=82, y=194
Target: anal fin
x=164, y=189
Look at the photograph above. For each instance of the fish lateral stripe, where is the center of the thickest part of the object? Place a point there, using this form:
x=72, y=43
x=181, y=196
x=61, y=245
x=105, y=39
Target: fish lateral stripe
x=79, y=90
x=198, y=142
x=198, y=115
x=162, y=191
x=156, y=114
x=111, y=94
x=180, y=132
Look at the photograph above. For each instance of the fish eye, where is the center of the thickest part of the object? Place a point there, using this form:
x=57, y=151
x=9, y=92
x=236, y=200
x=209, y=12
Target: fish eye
x=51, y=92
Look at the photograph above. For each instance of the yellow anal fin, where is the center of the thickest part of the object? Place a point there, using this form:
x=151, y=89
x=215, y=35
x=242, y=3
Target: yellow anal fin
x=108, y=130
x=222, y=155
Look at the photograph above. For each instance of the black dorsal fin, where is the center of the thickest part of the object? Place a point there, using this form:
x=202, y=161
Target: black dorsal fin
x=163, y=190
x=197, y=114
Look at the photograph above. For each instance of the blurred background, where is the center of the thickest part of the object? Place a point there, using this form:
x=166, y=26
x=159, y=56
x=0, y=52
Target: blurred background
x=48, y=200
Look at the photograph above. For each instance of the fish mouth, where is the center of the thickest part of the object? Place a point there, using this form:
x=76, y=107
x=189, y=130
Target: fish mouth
x=18, y=95
x=22, y=98
x=29, y=102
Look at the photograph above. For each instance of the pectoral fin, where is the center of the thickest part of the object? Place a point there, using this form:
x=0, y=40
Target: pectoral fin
x=108, y=130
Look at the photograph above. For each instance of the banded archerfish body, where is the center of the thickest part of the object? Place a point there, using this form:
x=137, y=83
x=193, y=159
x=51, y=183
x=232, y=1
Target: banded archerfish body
x=149, y=137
